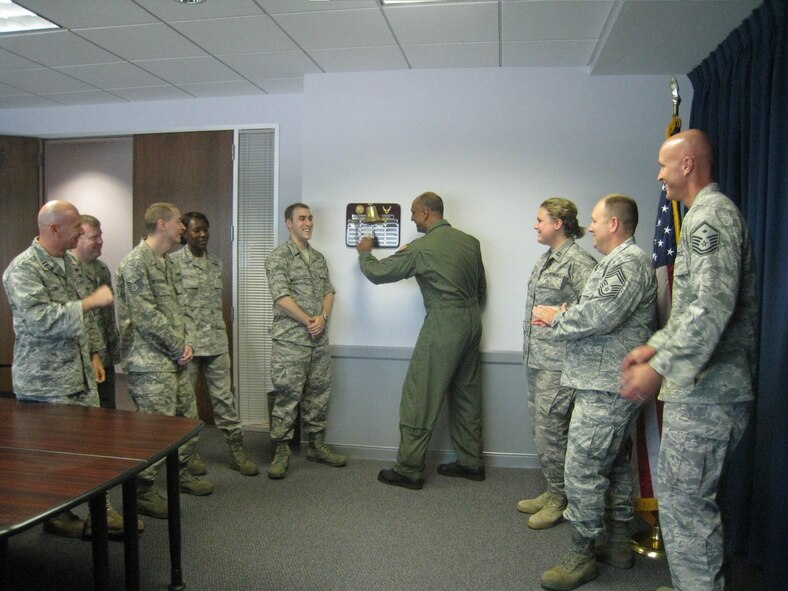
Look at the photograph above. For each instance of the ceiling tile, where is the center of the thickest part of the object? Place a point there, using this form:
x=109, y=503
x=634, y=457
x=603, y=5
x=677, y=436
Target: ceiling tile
x=554, y=20
x=282, y=85
x=10, y=61
x=360, y=59
x=167, y=10
x=453, y=55
x=444, y=23
x=287, y=6
x=143, y=42
x=88, y=97
x=74, y=14
x=548, y=53
x=209, y=89
x=281, y=64
x=118, y=75
x=332, y=29
x=250, y=34
x=151, y=93
x=56, y=48
x=43, y=80
x=24, y=100
x=189, y=70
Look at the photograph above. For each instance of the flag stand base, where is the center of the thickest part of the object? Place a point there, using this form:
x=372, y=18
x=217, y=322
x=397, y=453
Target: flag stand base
x=649, y=543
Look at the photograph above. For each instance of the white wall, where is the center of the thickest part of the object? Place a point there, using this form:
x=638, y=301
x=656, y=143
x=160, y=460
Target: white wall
x=96, y=176
x=494, y=143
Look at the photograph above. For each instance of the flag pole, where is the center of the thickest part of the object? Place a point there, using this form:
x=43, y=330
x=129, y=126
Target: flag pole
x=649, y=425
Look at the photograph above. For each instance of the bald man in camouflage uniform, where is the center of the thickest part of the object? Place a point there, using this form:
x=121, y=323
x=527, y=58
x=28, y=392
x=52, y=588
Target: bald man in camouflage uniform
x=616, y=311
x=301, y=359
x=447, y=264
x=96, y=274
x=202, y=282
x=706, y=361
x=154, y=342
x=55, y=330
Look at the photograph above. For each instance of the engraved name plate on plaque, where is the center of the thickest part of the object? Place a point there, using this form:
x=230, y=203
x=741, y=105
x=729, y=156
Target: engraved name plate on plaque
x=381, y=220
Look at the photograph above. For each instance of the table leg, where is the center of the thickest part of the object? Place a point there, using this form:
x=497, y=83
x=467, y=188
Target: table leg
x=131, y=549
x=98, y=520
x=174, y=521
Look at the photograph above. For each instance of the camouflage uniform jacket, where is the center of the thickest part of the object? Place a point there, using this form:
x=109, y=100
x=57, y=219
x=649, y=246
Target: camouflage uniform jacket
x=707, y=351
x=557, y=278
x=53, y=336
x=289, y=274
x=446, y=262
x=97, y=274
x=202, y=288
x=154, y=320
x=616, y=313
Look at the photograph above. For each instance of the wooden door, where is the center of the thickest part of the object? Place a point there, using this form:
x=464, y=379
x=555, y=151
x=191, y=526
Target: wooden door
x=194, y=171
x=20, y=199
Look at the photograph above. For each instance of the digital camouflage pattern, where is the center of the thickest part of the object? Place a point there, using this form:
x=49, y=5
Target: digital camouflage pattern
x=97, y=274
x=616, y=312
x=550, y=406
x=447, y=265
x=153, y=319
x=557, y=278
x=53, y=336
x=300, y=364
x=707, y=353
x=307, y=282
x=202, y=288
x=299, y=374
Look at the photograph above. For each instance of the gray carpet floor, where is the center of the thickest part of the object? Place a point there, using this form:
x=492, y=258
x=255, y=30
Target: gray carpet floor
x=336, y=529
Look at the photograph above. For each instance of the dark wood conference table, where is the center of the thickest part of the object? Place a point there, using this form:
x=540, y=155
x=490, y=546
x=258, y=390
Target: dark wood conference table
x=54, y=457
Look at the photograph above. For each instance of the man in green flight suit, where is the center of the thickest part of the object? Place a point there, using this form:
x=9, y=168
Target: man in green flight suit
x=447, y=264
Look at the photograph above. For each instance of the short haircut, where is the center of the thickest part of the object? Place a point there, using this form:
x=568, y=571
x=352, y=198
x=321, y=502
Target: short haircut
x=88, y=219
x=154, y=213
x=624, y=208
x=194, y=215
x=431, y=201
x=566, y=211
x=291, y=208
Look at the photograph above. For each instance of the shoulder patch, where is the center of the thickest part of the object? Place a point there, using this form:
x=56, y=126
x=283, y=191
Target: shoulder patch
x=705, y=239
x=612, y=283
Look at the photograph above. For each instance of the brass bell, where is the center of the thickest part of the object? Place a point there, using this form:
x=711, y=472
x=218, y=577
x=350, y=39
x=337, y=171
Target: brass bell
x=372, y=216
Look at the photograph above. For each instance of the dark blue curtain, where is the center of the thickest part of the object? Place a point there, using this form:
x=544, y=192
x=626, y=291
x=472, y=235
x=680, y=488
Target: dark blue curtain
x=741, y=100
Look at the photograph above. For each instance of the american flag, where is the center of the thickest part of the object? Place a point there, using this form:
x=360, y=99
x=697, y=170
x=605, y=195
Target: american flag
x=648, y=431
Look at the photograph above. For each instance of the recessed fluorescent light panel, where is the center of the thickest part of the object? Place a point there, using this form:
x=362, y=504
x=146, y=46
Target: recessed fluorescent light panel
x=395, y=2
x=15, y=18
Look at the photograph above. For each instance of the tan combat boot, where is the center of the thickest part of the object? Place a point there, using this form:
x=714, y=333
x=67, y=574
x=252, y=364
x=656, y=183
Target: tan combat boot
x=533, y=505
x=150, y=502
x=320, y=452
x=238, y=459
x=66, y=525
x=550, y=514
x=577, y=567
x=196, y=465
x=114, y=524
x=616, y=551
x=191, y=485
x=278, y=467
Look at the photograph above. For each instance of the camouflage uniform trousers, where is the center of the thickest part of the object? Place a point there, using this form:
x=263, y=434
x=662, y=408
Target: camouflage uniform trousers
x=550, y=406
x=164, y=393
x=83, y=398
x=597, y=473
x=697, y=441
x=106, y=389
x=216, y=371
x=300, y=374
